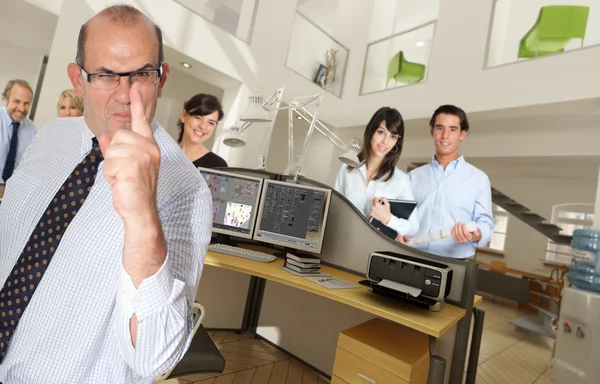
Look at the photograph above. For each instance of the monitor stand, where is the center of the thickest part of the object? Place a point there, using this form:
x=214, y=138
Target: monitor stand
x=223, y=239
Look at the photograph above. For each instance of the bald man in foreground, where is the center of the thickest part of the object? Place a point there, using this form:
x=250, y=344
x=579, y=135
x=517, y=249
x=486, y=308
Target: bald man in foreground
x=104, y=227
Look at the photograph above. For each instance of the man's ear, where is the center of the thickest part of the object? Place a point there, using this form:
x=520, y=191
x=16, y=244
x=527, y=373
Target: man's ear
x=463, y=135
x=431, y=131
x=74, y=73
x=166, y=68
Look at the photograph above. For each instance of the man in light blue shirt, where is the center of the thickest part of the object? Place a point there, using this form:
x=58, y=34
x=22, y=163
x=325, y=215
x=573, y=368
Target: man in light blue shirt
x=451, y=192
x=17, y=98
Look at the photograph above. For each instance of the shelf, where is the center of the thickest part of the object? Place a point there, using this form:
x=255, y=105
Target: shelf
x=308, y=47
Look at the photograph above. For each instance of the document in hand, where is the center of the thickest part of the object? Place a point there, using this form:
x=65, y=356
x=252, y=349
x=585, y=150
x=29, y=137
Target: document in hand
x=402, y=209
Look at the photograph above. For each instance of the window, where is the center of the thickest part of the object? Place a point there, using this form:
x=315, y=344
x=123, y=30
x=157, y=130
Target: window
x=500, y=225
x=523, y=30
x=568, y=217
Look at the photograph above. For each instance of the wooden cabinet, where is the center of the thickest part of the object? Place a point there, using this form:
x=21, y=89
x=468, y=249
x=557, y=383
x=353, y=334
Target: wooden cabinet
x=380, y=351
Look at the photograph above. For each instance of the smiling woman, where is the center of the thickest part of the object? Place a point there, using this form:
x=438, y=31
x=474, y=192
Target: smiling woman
x=198, y=120
x=376, y=179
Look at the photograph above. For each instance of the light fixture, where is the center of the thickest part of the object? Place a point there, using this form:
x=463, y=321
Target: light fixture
x=420, y=44
x=350, y=157
x=256, y=112
x=234, y=138
x=186, y=65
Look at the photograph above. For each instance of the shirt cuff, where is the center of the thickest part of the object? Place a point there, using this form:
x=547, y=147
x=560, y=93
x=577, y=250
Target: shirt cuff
x=152, y=294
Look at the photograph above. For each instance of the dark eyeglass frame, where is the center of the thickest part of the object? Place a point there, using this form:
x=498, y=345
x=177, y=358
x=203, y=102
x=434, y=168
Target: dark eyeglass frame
x=88, y=76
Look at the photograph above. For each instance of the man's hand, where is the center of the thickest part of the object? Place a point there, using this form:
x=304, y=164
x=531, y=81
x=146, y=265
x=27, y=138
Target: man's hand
x=461, y=234
x=132, y=160
x=404, y=239
x=381, y=211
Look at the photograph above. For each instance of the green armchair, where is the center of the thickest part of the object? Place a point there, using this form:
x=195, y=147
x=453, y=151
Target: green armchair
x=404, y=71
x=554, y=28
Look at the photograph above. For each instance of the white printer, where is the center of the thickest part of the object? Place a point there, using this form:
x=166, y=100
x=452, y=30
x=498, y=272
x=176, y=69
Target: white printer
x=422, y=282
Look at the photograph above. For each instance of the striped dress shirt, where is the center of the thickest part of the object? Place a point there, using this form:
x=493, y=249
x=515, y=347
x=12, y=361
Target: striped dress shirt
x=76, y=326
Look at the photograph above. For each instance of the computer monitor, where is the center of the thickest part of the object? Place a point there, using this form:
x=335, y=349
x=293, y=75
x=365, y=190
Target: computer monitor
x=234, y=200
x=293, y=215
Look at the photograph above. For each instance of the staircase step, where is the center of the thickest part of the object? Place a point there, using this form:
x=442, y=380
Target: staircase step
x=529, y=215
x=544, y=296
x=529, y=325
x=543, y=311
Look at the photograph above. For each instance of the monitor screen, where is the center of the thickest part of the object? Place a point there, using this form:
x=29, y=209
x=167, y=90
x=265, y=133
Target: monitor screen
x=293, y=215
x=235, y=201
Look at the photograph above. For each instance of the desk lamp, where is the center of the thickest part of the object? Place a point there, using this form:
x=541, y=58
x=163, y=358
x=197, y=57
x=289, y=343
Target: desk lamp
x=258, y=112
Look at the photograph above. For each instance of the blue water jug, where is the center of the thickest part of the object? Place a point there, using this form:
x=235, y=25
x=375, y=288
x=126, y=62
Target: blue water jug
x=585, y=274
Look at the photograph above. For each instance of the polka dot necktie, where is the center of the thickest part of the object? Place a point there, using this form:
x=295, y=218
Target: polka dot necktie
x=33, y=261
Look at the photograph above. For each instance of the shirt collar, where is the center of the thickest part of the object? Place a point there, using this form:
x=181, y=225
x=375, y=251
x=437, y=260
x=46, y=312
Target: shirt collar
x=88, y=135
x=5, y=117
x=453, y=164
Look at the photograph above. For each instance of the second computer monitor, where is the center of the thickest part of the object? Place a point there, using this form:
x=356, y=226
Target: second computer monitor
x=234, y=200
x=293, y=215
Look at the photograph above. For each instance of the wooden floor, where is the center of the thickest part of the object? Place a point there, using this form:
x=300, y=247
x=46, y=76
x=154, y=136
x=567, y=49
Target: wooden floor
x=253, y=361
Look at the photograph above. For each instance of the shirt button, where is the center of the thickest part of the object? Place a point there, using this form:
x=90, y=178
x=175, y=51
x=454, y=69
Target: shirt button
x=136, y=300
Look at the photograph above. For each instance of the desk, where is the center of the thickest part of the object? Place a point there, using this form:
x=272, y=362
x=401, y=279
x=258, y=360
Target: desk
x=431, y=323
x=434, y=324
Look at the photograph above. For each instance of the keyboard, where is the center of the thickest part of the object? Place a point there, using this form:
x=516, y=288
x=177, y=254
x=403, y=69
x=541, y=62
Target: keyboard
x=241, y=252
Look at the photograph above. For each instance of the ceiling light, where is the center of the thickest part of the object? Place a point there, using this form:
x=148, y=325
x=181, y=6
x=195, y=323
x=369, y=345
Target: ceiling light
x=186, y=65
x=299, y=117
x=420, y=44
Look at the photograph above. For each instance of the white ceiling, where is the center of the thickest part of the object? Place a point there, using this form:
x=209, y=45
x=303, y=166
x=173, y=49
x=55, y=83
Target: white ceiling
x=27, y=26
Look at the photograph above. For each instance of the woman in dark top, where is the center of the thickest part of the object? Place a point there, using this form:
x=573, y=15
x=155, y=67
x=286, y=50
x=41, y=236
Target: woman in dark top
x=198, y=121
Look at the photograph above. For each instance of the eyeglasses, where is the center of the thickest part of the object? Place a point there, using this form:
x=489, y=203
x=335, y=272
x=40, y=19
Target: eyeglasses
x=111, y=80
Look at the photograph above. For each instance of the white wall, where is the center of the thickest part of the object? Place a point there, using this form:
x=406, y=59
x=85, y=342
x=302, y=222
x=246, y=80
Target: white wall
x=64, y=47
x=393, y=16
x=19, y=63
x=514, y=18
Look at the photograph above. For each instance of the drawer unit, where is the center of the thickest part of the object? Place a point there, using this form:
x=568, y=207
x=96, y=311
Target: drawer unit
x=380, y=351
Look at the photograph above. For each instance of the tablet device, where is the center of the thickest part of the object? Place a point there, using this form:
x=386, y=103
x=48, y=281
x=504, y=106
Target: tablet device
x=402, y=209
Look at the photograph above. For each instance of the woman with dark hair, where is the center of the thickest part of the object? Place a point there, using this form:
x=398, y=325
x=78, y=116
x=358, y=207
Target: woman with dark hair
x=198, y=120
x=377, y=179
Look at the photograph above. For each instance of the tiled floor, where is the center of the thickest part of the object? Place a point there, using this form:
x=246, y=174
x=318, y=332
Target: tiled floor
x=506, y=356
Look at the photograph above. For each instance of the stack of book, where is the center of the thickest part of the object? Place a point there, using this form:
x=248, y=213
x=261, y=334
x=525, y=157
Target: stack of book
x=306, y=265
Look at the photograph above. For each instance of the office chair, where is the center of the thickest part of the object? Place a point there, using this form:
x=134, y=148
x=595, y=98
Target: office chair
x=202, y=356
x=404, y=71
x=554, y=28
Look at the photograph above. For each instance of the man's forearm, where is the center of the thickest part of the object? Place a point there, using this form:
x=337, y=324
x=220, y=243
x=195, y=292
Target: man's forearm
x=144, y=252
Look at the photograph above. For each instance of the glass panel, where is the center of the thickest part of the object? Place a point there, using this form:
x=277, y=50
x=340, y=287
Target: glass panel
x=497, y=241
x=589, y=216
x=527, y=29
x=398, y=60
x=316, y=56
x=501, y=223
x=233, y=16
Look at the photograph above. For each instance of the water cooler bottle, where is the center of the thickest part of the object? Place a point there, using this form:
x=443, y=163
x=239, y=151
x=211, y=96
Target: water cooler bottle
x=577, y=355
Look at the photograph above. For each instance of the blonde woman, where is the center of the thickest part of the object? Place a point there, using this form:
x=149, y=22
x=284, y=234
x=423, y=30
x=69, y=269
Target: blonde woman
x=69, y=104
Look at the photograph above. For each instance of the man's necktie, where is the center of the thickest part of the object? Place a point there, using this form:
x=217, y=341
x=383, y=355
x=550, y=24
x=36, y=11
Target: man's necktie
x=37, y=253
x=9, y=166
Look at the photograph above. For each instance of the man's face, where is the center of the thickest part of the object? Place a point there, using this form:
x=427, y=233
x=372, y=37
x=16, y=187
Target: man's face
x=117, y=49
x=447, y=135
x=18, y=102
